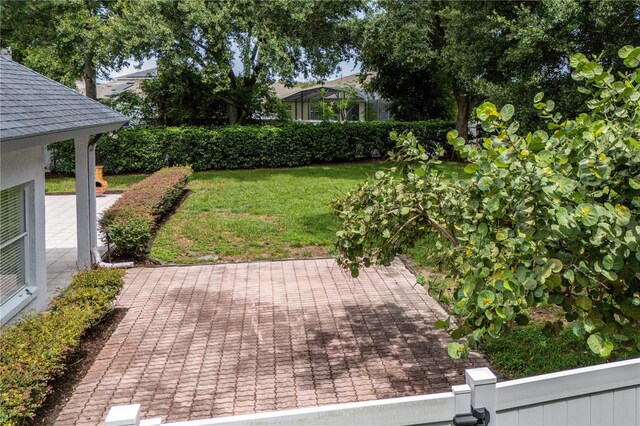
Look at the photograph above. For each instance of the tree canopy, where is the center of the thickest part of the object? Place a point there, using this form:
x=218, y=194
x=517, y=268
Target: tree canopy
x=241, y=47
x=473, y=50
x=66, y=40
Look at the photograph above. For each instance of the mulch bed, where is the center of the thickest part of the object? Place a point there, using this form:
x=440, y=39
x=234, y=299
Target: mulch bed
x=77, y=367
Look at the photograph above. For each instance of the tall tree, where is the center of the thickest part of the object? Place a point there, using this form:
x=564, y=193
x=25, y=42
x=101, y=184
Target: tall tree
x=242, y=46
x=493, y=49
x=66, y=40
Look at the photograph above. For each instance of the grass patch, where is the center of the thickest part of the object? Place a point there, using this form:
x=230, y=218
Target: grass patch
x=526, y=351
x=59, y=184
x=261, y=214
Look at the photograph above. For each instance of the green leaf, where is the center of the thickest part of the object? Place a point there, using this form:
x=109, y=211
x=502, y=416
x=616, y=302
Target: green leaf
x=484, y=183
x=577, y=59
x=458, y=333
x=453, y=134
x=456, y=350
x=485, y=298
x=471, y=168
x=634, y=184
x=583, y=302
x=625, y=51
x=552, y=266
x=486, y=111
x=507, y=112
x=612, y=263
x=633, y=59
x=502, y=234
x=588, y=214
x=441, y=324
x=538, y=97
x=599, y=346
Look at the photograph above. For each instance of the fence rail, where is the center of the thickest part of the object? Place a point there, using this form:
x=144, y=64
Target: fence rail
x=607, y=394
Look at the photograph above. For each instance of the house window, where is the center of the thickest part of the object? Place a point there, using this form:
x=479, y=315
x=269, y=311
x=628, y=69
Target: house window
x=13, y=242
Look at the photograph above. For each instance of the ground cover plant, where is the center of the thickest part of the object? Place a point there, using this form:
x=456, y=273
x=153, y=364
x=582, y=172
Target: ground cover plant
x=548, y=217
x=33, y=351
x=131, y=222
x=529, y=351
x=260, y=214
x=63, y=184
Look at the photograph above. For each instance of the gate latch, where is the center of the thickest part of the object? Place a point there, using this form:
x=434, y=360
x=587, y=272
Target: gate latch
x=478, y=416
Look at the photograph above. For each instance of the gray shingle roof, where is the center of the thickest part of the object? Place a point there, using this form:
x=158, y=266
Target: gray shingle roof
x=33, y=105
x=148, y=73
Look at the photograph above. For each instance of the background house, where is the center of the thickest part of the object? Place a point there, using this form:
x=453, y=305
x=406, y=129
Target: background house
x=34, y=112
x=361, y=105
x=125, y=83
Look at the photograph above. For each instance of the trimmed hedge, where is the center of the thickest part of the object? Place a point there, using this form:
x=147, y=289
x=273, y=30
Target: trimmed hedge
x=131, y=221
x=33, y=351
x=145, y=150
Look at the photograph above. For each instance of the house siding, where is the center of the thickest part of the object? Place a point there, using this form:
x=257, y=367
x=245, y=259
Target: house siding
x=25, y=167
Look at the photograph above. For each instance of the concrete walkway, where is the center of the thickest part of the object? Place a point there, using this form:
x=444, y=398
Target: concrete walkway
x=61, y=237
x=219, y=340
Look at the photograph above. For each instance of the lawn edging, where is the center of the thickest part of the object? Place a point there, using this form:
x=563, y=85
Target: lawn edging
x=33, y=351
x=131, y=221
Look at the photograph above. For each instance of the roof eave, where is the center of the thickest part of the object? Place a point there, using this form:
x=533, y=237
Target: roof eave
x=29, y=141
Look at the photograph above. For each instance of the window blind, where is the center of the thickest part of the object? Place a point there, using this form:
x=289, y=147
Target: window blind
x=13, y=240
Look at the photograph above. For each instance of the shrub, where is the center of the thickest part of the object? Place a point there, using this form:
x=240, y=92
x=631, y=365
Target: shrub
x=145, y=150
x=547, y=218
x=131, y=221
x=33, y=351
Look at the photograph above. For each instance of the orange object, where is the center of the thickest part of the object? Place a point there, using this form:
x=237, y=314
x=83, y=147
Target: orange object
x=101, y=184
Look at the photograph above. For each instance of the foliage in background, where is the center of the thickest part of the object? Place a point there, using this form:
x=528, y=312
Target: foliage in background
x=462, y=52
x=33, y=351
x=144, y=150
x=132, y=105
x=241, y=47
x=179, y=96
x=547, y=218
x=65, y=40
x=131, y=222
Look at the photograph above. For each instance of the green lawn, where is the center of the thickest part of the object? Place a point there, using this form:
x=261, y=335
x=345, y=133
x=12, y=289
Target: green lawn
x=528, y=352
x=260, y=214
x=56, y=184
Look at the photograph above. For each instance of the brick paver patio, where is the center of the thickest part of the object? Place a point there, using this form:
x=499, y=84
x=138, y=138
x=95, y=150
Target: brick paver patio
x=218, y=340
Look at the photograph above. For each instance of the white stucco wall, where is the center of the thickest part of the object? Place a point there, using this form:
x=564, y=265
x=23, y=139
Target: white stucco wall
x=26, y=167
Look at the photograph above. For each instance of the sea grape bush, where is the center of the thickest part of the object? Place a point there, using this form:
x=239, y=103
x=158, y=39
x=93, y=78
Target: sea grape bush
x=549, y=217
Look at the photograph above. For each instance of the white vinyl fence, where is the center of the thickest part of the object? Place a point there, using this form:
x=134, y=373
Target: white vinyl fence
x=605, y=395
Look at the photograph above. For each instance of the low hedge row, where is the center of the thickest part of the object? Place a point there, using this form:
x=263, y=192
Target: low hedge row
x=145, y=150
x=131, y=221
x=33, y=351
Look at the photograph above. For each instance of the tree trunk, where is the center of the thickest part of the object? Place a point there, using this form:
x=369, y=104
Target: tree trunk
x=90, y=86
x=463, y=103
x=235, y=116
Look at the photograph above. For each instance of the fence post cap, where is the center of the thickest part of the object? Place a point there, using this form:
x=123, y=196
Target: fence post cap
x=460, y=389
x=151, y=422
x=123, y=415
x=480, y=376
